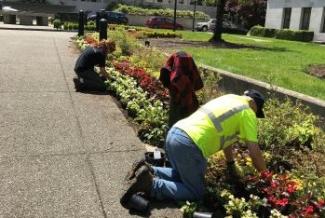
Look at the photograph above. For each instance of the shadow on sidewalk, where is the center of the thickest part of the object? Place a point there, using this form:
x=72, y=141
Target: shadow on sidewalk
x=155, y=205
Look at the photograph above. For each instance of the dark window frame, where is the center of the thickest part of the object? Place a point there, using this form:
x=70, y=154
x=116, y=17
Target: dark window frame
x=323, y=21
x=286, y=18
x=305, y=18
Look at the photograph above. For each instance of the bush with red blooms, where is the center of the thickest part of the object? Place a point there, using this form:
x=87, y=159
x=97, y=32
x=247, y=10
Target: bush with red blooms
x=150, y=84
x=282, y=193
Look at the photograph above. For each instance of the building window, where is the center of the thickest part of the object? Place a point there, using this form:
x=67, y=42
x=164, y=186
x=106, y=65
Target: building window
x=159, y=1
x=323, y=21
x=286, y=18
x=305, y=18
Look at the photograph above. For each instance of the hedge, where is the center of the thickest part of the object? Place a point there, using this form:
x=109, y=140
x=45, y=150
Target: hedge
x=162, y=35
x=293, y=35
x=75, y=26
x=166, y=12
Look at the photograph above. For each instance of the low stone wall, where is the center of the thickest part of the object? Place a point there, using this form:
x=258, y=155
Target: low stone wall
x=237, y=84
x=139, y=20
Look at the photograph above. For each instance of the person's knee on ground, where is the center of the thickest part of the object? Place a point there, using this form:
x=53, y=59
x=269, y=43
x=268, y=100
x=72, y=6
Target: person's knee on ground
x=135, y=167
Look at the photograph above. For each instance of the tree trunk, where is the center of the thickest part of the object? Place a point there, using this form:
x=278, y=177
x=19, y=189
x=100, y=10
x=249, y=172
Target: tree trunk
x=217, y=35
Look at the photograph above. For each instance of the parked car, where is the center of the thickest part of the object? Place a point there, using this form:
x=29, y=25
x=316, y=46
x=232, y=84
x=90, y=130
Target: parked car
x=163, y=23
x=227, y=25
x=205, y=26
x=111, y=16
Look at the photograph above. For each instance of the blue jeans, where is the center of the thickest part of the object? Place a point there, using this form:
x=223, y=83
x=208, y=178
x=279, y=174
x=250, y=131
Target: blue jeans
x=185, y=180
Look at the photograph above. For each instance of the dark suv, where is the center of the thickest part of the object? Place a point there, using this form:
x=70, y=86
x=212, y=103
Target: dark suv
x=111, y=16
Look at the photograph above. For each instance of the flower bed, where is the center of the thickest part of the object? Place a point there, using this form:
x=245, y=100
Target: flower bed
x=292, y=147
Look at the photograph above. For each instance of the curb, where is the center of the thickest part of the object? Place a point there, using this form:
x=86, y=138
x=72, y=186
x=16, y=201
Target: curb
x=35, y=29
x=237, y=84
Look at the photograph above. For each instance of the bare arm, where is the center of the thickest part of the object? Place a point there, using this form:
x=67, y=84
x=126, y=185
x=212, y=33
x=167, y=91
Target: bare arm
x=257, y=157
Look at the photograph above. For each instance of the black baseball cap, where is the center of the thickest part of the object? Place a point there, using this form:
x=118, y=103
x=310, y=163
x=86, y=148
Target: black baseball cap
x=259, y=101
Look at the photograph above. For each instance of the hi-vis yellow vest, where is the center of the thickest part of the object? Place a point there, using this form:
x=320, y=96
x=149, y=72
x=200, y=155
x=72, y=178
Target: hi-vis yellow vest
x=220, y=122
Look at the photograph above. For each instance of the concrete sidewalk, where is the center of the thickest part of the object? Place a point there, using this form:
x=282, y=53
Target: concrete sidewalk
x=62, y=153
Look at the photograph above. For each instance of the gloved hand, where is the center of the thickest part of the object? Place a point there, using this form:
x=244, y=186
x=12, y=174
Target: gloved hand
x=232, y=172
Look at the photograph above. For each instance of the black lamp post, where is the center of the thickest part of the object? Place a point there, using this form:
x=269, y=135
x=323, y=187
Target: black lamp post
x=81, y=27
x=194, y=12
x=175, y=8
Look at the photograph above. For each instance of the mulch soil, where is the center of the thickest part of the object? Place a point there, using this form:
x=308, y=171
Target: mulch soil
x=317, y=70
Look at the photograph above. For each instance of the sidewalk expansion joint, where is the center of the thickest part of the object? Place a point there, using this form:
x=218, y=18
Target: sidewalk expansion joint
x=91, y=168
x=71, y=154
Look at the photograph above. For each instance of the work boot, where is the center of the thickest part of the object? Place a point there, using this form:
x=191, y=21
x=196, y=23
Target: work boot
x=142, y=183
x=135, y=166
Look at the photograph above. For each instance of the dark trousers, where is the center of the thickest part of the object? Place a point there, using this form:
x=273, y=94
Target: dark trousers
x=91, y=81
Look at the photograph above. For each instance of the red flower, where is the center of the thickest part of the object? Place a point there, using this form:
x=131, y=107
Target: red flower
x=271, y=199
x=321, y=202
x=274, y=184
x=266, y=174
x=291, y=187
x=282, y=202
x=308, y=210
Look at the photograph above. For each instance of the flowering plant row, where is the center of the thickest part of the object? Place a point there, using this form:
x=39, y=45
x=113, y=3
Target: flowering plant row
x=148, y=112
x=145, y=81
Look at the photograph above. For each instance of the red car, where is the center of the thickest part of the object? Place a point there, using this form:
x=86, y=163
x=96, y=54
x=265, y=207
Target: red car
x=162, y=23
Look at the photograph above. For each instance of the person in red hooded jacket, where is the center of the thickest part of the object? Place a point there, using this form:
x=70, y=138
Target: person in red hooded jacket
x=182, y=78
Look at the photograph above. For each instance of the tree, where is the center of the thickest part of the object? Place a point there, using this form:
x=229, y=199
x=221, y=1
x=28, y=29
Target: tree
x=250, y=12
x=217, y=33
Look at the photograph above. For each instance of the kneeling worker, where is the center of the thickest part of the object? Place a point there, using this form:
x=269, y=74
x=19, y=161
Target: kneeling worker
x=88, y=79
x=215, y=126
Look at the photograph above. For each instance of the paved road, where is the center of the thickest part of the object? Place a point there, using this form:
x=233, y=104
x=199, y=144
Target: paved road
x=62, y=153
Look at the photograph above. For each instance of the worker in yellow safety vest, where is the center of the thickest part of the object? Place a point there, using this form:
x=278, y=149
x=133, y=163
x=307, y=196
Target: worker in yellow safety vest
x=215, y=126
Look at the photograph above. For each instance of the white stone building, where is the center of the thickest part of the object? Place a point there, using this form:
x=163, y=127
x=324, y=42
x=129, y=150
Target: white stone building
x=297, y=15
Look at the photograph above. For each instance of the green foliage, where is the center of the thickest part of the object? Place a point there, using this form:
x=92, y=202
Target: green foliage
x=293, y=35
x=210, y=89
x=57, y=24
x=286, y=126
x=74, y=26
x=188, y=209
x=112, y=6
x=162, y=35
x=125, y=44
x=141, y=57
x=133, y=10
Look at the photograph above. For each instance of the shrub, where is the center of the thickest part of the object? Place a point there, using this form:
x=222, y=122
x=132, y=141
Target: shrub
x=125, y=43
x=57, y=24
x=90, y=27
x=299, y=35
x=286, y=126
x=159, y=12
x=162, y=35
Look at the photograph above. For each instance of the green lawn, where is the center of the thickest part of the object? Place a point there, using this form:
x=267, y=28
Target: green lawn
x=278, y=62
